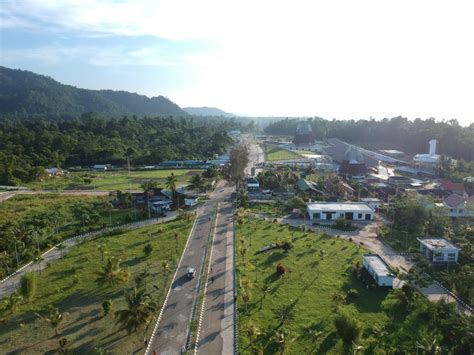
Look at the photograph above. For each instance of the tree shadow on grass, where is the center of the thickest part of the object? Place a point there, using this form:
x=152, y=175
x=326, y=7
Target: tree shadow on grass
x=328, y=343
x=274, y=257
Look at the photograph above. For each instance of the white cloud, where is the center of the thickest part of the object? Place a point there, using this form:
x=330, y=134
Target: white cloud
x=339, y=58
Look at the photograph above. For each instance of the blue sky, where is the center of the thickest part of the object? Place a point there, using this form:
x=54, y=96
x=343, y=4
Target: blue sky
x=339, y=59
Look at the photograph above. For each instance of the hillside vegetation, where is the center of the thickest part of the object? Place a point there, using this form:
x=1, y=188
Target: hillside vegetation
x=23, y=93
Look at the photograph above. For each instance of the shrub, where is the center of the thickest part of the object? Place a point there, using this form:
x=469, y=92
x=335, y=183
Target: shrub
x=347, y=328
x=148, y=249
x=352, y=293
x=107, y=306
x=341, y=223
x=28, y=285
x=281, y=270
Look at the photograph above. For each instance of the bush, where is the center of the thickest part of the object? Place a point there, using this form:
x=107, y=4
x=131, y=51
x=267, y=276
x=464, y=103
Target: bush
x=341, y=223
x=352, y=294
x=281, y=270
x=28, y=285
x=107, y=306
x=147, y=250
x=347, y=328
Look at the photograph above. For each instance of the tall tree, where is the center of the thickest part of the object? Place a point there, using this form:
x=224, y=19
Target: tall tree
x=139, y=312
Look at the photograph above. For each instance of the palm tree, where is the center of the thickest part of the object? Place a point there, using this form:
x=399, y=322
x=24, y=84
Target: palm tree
x=284, y=313
x=196, y=182
x=140, y=310
x=112, y=273
x=170, y=183
x=55, y=318
x=428, y=346
x=13, y=302
x=165, y=265
x=252, y=332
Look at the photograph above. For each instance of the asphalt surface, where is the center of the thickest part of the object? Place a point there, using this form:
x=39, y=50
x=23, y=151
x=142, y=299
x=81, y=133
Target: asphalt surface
x=217, y=332
x=172, y=332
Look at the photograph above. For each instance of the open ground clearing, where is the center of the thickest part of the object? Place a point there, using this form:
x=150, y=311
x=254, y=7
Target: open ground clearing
x=70, y=285
x=274, y=153
x=112, y=180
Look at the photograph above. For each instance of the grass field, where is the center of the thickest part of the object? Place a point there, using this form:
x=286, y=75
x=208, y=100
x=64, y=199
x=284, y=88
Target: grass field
x=112, y=180
x=53, y=219
x=69, y=284
x=318, y=268
x=273, y=153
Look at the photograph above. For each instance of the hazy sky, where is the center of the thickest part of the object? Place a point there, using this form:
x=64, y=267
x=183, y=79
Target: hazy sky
x=335, y=59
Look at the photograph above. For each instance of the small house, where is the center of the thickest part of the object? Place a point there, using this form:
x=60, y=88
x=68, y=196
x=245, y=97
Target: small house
x=438, y=250
x=378, y=269
x=252, y=184
x=327, y=211
x=453, y=187
x=102, y=167
x=54, y=172
x=458, y=206
x=191, y=201
x=372, y=202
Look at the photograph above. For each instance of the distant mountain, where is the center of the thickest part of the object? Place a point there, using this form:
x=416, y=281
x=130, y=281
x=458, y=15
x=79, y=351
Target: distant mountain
x=207, y=111
x=23, y=93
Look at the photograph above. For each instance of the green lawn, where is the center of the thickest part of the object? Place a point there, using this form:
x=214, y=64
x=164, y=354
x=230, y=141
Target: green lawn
x=112, y=180
x=273, y=153
x=53, y=219
x=85, y=327
x=318, y=267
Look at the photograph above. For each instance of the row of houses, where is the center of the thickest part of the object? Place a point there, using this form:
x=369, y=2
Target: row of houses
x=435, y=250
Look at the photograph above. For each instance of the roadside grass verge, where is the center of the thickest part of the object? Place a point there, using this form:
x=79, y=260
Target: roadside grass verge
x=69, y=284
x=318, y=269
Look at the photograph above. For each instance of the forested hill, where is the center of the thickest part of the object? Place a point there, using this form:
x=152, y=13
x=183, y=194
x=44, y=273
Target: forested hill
x=23, y=94
x=29, y=145
x=207, y=111
x=396, y=133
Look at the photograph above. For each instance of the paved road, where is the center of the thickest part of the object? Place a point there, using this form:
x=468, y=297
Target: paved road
x=217, y=332
x=172, y=330
x=11, y=283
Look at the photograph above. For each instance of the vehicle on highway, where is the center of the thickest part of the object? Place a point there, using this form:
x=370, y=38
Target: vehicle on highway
x=191, y=272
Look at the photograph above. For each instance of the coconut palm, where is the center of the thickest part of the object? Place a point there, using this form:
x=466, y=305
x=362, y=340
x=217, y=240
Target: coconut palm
x=112, y=274
x=140, y=310
x=165, y=265
x=170, y=183
x=55, y=318
x=428, y=346
x=284, y=313
x=252, y=332
x=196, y=182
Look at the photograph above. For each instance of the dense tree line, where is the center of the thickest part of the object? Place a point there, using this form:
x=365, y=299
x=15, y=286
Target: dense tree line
x=27, y=146
x=396, y=133
x=23, y=93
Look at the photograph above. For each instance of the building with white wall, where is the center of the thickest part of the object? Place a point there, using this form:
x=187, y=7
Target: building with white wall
x=439, y=250
x=327, y=211
x=378, y=269
x=372, y=202
x=427, y=161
